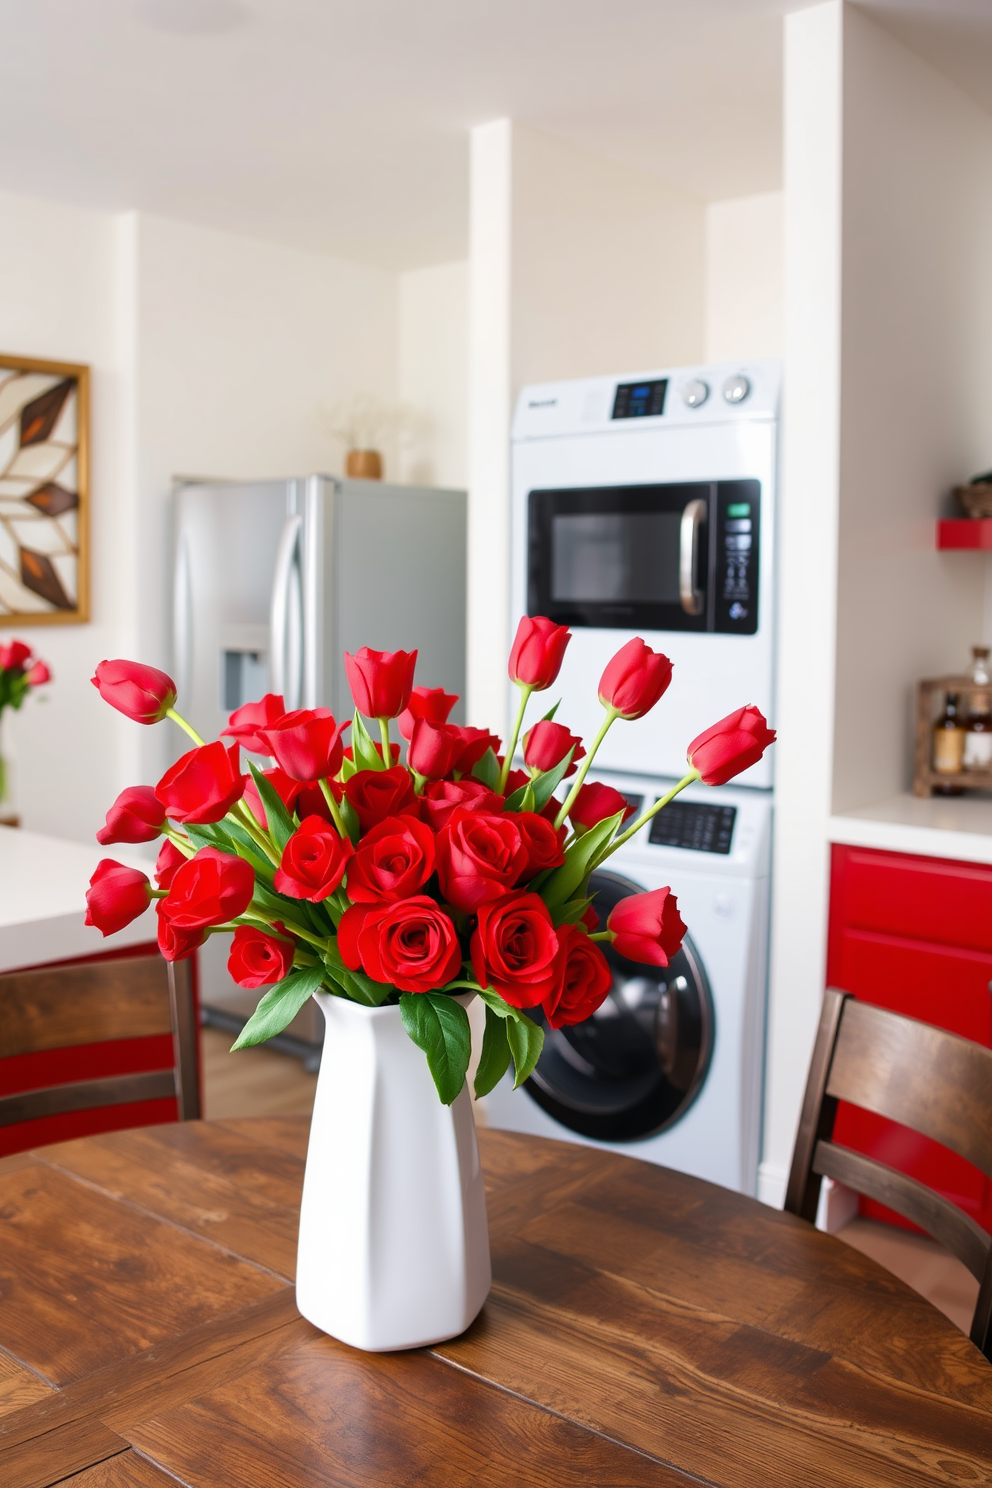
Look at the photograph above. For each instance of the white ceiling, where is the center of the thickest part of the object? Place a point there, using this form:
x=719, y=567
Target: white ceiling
x=342, y=124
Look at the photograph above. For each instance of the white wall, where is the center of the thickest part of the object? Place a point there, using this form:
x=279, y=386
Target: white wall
x=745, y=302
x=432, y=375
x=61, y=296
x=577, y=267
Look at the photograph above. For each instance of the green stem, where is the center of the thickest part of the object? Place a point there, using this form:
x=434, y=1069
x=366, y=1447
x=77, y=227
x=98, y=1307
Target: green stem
x=639, y=823
x=601, y=935
x=178, y=718
x=332, y=806
x=611, y=715
x=243, y=816
x=256, y=914
x=178, y=840
x=511, y=748
x=387, y=754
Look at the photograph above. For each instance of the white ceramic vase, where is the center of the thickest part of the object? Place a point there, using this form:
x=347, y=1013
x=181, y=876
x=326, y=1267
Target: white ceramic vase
x=394, y=1242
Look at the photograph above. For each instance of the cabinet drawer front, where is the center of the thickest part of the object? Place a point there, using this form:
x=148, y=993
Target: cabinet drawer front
x=922, y=898
x=936, y=984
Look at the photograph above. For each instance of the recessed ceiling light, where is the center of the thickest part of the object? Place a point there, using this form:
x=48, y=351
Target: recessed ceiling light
x=193, y=17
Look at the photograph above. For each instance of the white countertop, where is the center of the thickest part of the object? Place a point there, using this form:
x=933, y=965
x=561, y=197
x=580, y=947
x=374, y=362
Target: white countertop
x=43, y=883
x=957, y=827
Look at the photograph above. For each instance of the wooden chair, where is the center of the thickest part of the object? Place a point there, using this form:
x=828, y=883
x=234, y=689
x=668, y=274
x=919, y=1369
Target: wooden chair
x=931, y=1081
x=47, y=1016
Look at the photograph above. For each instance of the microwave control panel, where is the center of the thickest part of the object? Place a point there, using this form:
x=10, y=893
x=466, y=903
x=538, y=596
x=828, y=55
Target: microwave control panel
x=735, y=561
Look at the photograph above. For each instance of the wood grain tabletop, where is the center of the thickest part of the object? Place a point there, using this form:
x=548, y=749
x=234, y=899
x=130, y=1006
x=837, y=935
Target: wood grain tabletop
x=643, y=1328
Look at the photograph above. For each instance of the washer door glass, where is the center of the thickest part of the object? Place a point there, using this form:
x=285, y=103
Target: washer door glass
x=636, y=1066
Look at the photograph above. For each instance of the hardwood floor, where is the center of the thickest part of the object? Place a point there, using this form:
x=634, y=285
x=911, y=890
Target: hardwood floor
x=259, y=1082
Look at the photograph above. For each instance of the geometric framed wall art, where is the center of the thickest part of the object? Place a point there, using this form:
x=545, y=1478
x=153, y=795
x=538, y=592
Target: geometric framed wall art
x=44, y=492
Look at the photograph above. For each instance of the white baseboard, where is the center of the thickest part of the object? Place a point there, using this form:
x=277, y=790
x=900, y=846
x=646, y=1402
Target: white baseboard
x=837, y=1207
x=772, y=1182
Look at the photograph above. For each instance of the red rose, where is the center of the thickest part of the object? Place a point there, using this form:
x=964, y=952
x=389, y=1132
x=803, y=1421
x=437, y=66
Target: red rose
x=116, y=896
x=635, y=679
x=139, y=692
x=411, y=944
x=381, y=681
x=442, y=797
x=538, y=651
x=248, y=723
x=258, y=959
x=543, y=843
x=584, y=979
x=203, y=785
x=313, y=861
x=546, y=745
x=393, y=861
x=38, y=675
x=136, y=816
x=174, y=943
x=307, y=743
x=14, y=654
x=168, y=860
x=730, y=746
x=376, y=794
x=474, y=743
x=479, y=856
x=647, y=927
x=515, y=949
x=594, y=803
x=208, y=889
x=432, y=703
x=433, y=749
x=287, y=789
x=591, y=920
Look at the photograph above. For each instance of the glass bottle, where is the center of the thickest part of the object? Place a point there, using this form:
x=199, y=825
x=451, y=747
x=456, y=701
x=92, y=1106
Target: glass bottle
x=949, y=739
x=978, y=738
x=980, y=670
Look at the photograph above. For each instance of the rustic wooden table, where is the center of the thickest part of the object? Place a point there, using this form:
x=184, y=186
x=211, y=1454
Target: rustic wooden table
x=643, y=1328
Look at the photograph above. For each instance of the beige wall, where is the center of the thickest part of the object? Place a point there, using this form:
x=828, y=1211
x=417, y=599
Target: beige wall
x=432, y=375
x=744, y=278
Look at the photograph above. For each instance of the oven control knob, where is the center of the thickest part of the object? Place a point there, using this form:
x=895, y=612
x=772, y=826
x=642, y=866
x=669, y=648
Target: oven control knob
x=736, y=389
x=695, y=393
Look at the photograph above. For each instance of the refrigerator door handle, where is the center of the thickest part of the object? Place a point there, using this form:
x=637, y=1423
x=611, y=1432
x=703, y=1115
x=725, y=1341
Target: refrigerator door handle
x=283, y=593
x=182, y=619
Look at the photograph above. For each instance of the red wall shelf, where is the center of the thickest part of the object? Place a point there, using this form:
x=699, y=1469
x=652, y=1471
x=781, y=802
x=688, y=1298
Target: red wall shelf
x=965, y=532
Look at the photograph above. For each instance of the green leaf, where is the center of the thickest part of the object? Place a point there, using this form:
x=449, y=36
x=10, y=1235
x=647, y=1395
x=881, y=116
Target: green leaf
x=357, y=986
x=572, y=912
x=545, y=785
x=521, y=800
x=280, y=1006
x=367, y=757
x=439, y=1025
x=580, y=858
x=281, y=824
x=249, y=850
x=495, y=1059
x=350, y=816
x=526, y=1041
x=551, y=712
x=487, y=769
x=348, y=768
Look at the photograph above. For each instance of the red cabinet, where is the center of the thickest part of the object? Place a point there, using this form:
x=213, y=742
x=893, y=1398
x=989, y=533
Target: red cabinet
x=915, y=935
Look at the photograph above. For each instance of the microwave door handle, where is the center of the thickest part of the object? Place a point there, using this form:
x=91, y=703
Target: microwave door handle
x=279, y=614
x=693, y=517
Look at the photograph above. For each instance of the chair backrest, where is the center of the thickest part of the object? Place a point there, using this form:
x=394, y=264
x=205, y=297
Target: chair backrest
x=924, y=1078
x=93, y=1002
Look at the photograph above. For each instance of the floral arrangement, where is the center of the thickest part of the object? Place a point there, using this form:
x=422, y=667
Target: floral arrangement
x=342, y=870
x=20, y=672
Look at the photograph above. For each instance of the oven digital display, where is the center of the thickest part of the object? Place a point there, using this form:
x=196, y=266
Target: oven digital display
x=615, y=557
x=640, y=399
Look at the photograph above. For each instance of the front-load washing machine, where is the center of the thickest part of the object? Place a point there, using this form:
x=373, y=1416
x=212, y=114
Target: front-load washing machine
x=669, y=1069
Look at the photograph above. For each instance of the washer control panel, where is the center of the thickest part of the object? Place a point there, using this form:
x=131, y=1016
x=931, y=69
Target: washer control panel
x=692, y=825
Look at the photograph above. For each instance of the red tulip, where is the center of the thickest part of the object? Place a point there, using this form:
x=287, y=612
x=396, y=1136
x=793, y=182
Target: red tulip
x=258, y=959
x=474, y=743
x=142, y=693
x=116, y=896
x=307, y=744
x=635, y=679
x=647, y=927
x=730, y=746
x=202, y=785
x=247, y=724
x=432, y=703
x=313, y=861
x=433, y=750
x=136, y=816
x=38, y=675
x=594, y=803
x=168, y=860
x=14, y=654
x=175, y=943
x=381, y=682
x=538, y=651
x=547, y=744
x=208, y=889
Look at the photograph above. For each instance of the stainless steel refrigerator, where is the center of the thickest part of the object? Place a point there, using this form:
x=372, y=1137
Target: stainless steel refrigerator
x=275, y=580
